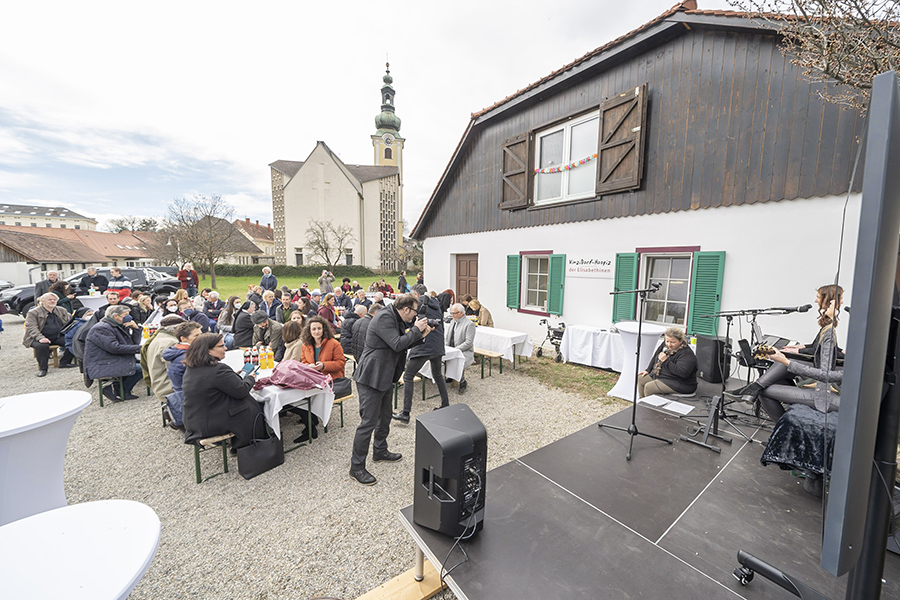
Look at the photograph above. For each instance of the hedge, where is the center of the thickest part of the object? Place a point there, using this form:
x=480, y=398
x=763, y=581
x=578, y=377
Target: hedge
x=353, y=272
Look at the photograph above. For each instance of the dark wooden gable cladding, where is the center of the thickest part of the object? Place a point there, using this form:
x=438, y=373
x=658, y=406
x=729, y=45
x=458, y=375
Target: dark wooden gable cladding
x=730, y=121
x=620, y=150
x=516, y=172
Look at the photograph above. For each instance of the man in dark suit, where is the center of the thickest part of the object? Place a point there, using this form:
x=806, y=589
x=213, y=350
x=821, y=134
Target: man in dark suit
x=382, y=364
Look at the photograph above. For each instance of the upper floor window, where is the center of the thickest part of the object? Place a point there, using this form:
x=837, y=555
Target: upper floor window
x=566, y=169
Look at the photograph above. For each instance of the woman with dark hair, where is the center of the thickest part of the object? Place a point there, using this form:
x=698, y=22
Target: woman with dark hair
x=322, y=352
x=445, y=299
x=226, y=317
x=305, y=306
x=327, y=312
x=299, y=317
x=61, y=289
x=290, y=335
x=243, y=325
x=823, y=396
x=345, y=285
x=216, y=399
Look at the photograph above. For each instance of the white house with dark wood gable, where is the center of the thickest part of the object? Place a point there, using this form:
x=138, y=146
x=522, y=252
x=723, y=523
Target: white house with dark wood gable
x=689, y=152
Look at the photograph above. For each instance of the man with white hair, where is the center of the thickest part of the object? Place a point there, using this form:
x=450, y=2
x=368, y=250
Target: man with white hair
x=350, y=319
x=379, y=298
x=42, y=287
x=361, y=300
x=109, y=351
x=460, y=333
x=44, y=328
x=268, y=281
x=213, y=306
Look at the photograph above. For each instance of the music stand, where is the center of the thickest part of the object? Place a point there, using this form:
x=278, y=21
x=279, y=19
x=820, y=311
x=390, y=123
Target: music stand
x=632, y=429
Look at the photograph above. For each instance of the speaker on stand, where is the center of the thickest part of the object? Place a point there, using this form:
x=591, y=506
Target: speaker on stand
x=713, y=359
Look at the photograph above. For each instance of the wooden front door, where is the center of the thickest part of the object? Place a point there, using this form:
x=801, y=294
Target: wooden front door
x=466, y=275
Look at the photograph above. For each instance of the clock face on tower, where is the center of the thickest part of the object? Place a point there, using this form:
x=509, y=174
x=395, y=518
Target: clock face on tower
x=388, y=139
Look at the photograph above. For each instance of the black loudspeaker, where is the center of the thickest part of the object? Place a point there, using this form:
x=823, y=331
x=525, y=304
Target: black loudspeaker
x=451, y=456
x=711, y=360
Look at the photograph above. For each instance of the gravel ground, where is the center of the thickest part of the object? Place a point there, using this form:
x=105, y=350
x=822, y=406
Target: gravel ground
x=301, y=530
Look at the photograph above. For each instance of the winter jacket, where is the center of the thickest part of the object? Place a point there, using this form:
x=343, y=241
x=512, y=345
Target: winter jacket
x=37, y=318
x=109, y=351
x=434, y=341
x=269, y=282
x=174, y=357
x=330, y=354
x=153, y=364
x=242, y=330
x=270, y=336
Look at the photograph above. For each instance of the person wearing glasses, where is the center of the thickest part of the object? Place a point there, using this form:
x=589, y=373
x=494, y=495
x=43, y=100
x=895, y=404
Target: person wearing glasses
x=216, y=399
x=381, y=364
x=460, y=333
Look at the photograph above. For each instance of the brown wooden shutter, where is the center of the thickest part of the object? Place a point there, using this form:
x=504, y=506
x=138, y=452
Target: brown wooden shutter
x=516, y=175
x=620, y=150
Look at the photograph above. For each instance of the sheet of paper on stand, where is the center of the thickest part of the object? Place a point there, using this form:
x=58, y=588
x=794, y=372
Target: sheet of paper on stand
x=664, y=403
x=592, y=346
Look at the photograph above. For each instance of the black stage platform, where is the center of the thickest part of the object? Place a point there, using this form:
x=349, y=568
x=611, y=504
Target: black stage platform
x=574, y=519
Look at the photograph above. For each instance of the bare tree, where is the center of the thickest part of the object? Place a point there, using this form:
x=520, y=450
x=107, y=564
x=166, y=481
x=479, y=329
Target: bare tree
x=409, y=255
x=120, y=224
x=328, y=241
x=201, y=231
x=843, y=41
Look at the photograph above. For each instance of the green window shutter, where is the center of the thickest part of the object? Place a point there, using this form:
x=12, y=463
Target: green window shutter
x=626, y=279
x=706, y=292
x=513, y=268
x=556, y=284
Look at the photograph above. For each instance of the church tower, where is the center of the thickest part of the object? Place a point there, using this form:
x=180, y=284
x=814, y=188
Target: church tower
x=387, y=141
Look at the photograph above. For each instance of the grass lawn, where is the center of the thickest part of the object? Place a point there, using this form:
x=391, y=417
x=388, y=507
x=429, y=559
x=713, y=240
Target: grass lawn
x=578, y=379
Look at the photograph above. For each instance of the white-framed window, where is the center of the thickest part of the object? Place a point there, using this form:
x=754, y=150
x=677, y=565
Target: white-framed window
x=536, y=271
x=668, y=305
x=298, y=256
x=567, y=149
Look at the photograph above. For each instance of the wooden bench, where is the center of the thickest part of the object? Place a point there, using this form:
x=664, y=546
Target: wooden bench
x=399, y=384
x=490, y=356
x=208, y=444
x=405, y=586
x=54, y=354
x=340, y=403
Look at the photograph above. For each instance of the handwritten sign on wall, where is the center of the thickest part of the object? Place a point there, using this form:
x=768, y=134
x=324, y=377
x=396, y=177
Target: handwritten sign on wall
x=590, y=267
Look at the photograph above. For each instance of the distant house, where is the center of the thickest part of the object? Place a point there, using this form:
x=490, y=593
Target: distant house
x=689, y=153
x=26, y=256
x=261, y=237
x=24, y=215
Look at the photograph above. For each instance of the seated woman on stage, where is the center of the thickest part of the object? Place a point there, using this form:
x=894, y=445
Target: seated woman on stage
x=324, y=353
x=772, y=394
x=216, y=399
x=673, y=369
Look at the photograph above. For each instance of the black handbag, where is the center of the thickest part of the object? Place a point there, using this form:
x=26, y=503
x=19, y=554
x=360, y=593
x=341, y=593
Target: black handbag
x=342, y=387
x=260, y=455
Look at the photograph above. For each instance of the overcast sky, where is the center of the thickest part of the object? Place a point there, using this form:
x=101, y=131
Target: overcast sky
x=114, y=108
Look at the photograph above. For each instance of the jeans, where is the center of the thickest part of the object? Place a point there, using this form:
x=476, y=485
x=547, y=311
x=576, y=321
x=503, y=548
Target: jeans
x=192, y=291
x=412, y=368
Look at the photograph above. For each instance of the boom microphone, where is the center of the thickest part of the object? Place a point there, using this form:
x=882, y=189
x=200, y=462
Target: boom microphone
x=791, y=309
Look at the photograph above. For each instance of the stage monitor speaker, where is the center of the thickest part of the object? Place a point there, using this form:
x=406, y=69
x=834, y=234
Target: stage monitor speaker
x=450, y=470
x=710, y=357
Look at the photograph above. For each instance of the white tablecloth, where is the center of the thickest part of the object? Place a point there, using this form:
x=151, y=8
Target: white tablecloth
x=650, y=337
x=92, y=302
x=34, y=433
x=504, y=341
x=592, y=346
x=275, y=398
x=454, y=363
x=90, y=551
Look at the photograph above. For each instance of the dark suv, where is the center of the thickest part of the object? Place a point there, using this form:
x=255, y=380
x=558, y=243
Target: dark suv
x=20, y=299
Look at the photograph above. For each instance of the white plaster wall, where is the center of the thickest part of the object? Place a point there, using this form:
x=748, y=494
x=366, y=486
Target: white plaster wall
x=777, y=254
x=18, y=272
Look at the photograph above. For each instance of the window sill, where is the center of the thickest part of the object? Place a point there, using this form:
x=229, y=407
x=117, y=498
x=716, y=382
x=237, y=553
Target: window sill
x=530, y=311
x=531, y=207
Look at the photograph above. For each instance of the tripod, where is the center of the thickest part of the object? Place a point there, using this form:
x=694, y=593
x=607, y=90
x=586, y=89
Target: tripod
x=632, y=429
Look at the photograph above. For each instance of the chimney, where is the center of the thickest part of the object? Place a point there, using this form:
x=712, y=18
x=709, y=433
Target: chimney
x=257, y=223
x=247, y=219
x=269, y=226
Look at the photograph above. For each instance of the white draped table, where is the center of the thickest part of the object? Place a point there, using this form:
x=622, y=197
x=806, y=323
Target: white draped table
x=275, y=398
x=89, y=551
x=592, y=346
x=92, y=302
x=454, y=363
x=650, y=336
x=34, y=433
x=508, y=343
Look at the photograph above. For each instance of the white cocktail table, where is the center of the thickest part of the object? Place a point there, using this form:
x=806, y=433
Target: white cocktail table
x=90, y=551
x=628, y=330
x=34, y=433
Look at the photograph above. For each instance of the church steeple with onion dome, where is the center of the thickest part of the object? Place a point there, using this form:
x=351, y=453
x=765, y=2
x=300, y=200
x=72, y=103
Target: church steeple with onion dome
x=387, y=141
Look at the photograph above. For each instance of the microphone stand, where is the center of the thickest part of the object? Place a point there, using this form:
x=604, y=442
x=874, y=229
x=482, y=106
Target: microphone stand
x=632, y=429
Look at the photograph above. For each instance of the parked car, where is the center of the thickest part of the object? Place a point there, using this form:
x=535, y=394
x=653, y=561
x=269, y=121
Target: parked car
x=165, y=270
x=20, y=299
x=5, y=285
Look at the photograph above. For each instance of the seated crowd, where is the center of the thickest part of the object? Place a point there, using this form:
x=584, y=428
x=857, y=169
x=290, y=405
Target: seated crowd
x=181, y=362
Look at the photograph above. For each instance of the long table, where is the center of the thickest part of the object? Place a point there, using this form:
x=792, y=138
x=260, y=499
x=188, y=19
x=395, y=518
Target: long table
x=454, y=364
x=593, y=346
x=508, y=343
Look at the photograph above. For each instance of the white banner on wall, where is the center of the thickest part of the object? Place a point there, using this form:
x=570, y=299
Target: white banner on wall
x=593, y=268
